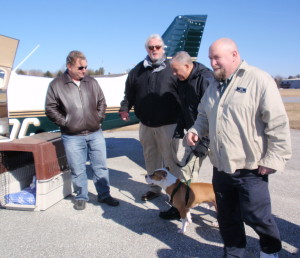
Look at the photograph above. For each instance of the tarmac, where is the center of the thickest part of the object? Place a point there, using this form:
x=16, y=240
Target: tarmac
x=134, y=228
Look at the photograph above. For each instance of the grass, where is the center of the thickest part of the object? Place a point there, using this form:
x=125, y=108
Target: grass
x=293, y=112
x=292, y=109
x=290, y=92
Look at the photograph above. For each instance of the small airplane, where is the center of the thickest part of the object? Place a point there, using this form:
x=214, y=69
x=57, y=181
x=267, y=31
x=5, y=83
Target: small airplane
x=22, y=97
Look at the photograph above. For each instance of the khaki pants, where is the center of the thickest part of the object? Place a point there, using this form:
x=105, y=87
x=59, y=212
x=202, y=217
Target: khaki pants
x=188, y=165
x=158, y=148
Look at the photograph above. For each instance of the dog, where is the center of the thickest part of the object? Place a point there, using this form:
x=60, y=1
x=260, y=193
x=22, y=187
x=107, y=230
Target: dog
x=198, y=193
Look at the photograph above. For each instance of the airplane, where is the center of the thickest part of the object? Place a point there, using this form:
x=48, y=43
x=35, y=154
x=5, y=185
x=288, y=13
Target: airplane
x=22, y=97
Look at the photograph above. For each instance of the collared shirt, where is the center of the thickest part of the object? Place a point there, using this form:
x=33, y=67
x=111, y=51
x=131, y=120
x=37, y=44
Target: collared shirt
x=223, y=85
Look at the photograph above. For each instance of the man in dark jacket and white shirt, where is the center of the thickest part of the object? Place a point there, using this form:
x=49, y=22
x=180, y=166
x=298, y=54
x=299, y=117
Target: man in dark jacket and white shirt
x=193, y=80
x=75, y=102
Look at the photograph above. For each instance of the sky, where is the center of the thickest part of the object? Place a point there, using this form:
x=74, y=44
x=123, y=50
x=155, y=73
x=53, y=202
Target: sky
x=112, y=33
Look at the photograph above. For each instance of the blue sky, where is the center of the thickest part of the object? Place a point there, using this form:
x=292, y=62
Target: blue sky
x=112, y=33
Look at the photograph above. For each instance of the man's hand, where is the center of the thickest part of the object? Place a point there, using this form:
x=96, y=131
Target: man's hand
x=191, y=139
x=265, y=171
x=124, y=115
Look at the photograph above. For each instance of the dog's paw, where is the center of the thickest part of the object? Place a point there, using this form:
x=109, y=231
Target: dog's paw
x=181, y=231
x=184, y=225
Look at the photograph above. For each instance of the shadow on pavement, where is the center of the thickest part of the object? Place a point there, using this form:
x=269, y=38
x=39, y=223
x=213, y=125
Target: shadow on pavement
x=143, y=220
x=129, y=147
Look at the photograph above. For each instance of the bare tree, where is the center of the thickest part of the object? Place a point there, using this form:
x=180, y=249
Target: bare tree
x=278, y=79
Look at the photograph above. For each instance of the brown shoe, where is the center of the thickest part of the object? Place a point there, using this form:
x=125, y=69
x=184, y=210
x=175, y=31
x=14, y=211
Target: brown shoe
x=149, y=196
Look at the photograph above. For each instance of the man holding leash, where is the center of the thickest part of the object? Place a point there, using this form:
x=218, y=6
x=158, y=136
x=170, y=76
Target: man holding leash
x=249, y=133
x=193, y=78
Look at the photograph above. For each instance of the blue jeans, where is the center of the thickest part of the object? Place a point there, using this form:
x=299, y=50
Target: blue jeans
x=78, y=148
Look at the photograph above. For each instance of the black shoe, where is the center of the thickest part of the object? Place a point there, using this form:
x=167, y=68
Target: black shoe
x=109, y=201
x=79, y=204
x=149, y=196
x=170, y=214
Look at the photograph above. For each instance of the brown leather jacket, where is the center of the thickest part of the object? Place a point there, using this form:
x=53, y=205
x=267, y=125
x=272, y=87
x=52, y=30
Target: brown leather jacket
x=76, y=110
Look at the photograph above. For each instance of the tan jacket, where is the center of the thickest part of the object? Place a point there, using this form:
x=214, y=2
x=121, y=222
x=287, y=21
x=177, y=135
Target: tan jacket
x=248, y=125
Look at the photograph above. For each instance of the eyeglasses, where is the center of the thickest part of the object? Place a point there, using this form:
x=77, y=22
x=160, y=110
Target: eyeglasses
x=81, y=67
x=154, y=47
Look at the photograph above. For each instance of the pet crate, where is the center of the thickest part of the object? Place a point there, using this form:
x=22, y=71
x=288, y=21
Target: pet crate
x=35, y=168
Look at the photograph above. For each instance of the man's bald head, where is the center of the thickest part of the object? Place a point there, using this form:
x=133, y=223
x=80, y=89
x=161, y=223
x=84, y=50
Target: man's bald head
x=224, y=58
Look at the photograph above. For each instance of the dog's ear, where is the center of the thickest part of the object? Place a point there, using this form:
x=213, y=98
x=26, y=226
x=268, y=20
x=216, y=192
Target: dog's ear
x=161, y=173
x=167, y=168
x=164, y=174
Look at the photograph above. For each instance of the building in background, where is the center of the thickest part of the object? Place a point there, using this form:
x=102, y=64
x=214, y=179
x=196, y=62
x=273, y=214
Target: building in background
x=290, y=83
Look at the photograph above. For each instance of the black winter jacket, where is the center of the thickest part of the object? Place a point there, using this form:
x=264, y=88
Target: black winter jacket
x=190, y=93
x=76, y=110
x=153, y=94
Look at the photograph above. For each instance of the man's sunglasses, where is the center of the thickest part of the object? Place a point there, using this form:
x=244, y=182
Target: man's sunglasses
x=154, y=47
x=81, y=67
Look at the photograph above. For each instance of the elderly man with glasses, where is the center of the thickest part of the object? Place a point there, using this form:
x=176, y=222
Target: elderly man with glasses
x=151, y=89
x=75, y=102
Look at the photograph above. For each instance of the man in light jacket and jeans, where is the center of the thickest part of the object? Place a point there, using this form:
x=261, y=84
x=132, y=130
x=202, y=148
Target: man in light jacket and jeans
x=249, y=133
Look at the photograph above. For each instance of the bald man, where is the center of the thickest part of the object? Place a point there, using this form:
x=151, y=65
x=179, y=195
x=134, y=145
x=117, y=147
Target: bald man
x=246, y=121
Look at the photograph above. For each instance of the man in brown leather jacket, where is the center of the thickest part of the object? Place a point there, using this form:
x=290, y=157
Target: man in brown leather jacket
x=75, y=102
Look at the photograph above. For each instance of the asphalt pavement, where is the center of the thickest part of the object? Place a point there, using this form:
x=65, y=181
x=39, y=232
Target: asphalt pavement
x=134, y=229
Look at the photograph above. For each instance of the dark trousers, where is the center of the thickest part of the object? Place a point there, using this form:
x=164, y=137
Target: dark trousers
x=244, y=197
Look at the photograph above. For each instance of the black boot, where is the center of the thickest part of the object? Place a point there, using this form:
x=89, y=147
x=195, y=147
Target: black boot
x=170, y=214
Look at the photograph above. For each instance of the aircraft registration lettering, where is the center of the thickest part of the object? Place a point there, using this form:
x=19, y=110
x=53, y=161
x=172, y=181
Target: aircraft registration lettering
x=19, y=130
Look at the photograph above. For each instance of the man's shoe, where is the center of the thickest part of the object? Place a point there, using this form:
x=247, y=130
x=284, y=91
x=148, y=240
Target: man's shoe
x=170, y=214
x=79, y=204
x=149, y=196
x=109, y=201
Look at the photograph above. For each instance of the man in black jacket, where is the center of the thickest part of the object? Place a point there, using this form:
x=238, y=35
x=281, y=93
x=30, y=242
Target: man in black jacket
x=193, y=80
x=75, y=102
x=152, y=89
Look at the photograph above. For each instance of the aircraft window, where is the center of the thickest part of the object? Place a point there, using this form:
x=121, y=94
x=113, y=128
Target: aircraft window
x=2, y=73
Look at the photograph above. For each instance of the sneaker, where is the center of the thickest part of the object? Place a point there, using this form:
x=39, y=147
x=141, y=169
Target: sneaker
x=265, y=255
x=79, y=204
x=109, y=201
x=170, y=214
x=149, y=196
